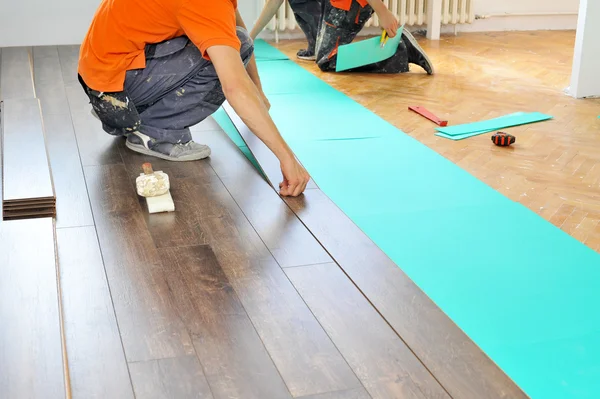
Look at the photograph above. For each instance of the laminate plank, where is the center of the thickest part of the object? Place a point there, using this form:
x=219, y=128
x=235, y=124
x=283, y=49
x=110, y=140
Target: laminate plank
x=72, y=208
x=304, y=355
x=97, y=365
x=26, y=168
x=288, y=240
x=21, y=204
x=36, y=213
x=69, y=56
x=16, y=79
x=235, y=360
x=179, y=378
x=384, y=364
x=265, y=157
x=359, y=393
x=456, y=362
x=31, y=355
x=49, y=83
x=149, y=324
x=72, y=201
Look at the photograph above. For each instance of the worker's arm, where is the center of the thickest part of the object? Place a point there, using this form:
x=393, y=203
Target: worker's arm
x=245, y=98
x=268, y=12
x=387, y=20
x=251, y=68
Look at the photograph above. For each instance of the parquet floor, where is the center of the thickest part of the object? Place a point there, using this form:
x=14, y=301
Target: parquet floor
x=554, y=168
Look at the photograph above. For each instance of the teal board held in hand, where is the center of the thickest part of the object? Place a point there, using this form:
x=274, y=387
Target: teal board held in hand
x=523, y=290
x=366, y=52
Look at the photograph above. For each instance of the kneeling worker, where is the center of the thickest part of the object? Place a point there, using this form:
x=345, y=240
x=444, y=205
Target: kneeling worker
x=152, y=69
x=328, y=24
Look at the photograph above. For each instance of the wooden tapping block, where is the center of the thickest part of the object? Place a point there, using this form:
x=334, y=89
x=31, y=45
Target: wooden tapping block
x=154, y=186
x=425, y=113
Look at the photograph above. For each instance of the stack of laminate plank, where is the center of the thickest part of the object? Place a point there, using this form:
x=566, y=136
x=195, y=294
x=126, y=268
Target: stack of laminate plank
x=27, y=186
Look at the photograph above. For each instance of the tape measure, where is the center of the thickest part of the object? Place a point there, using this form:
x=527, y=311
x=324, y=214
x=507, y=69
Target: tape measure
x=503, y=139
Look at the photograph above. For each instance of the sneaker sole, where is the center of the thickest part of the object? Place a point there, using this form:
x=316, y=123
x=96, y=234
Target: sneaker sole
x=143, y=150
x=415, y=43
x=313, y=58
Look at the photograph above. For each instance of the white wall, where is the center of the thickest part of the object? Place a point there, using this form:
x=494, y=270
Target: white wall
x=53, y=22
x=66, y=21
x=43, y=22
x=586, y=59
x=542, y=15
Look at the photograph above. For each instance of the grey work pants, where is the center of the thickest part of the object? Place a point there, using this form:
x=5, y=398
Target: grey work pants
x=177, y=89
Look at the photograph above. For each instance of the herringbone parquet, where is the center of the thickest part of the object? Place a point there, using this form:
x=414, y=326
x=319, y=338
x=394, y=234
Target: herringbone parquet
x=554, y=167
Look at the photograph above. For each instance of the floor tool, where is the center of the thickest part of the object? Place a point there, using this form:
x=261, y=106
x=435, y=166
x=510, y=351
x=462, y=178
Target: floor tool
x=154, y=186
x=427, y=114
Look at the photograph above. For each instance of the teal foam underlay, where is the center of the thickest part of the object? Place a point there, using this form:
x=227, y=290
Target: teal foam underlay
x=523, y=290
x=494, y=124
x=265, y=52
x=285, y=77
x=324, y=115
x=220, y=116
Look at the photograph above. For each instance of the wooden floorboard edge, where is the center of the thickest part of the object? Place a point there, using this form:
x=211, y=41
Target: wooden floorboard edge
x=61, y=317
x=473, y=372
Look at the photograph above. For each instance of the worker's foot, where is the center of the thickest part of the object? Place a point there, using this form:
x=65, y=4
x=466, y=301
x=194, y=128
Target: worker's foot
x=416, y=55
x=307, y=55
x=189, y=151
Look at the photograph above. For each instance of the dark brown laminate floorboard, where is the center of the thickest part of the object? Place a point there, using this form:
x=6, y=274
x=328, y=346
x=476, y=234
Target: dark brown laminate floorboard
x=31, y=353
x=382, y=361
x=26, y=174
x=72, y=202
x=69, y=56
x=97, y=364
x=48, y=79
x=359, y=393
x=171, y=229
x=15, y=79
x=286, y=237
x=456, y=362
x=234, y=358
x=304, y=355
x=150, y=325
x=179, y=378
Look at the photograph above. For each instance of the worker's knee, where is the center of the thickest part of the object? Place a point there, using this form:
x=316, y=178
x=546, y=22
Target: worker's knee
x=247, y=48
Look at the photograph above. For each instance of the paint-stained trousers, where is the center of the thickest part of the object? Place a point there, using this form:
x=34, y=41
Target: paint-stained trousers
x=177, y=89
x=308, y=16
x=336, y=27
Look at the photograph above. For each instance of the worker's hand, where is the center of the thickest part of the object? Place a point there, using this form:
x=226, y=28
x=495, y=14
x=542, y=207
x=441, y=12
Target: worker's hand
x=295, y=178
x=388, y=21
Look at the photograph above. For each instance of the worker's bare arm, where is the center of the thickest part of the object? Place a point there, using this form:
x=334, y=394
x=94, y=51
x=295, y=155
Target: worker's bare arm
x=246, y=100
x=252, y=69
x=268, y=12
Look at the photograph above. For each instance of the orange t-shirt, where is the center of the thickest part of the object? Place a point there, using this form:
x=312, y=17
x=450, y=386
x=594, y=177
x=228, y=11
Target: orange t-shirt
x=346, y=4
x=120, y=30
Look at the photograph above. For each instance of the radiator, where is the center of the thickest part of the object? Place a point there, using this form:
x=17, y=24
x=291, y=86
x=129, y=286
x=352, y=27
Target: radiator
x=409, y=13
